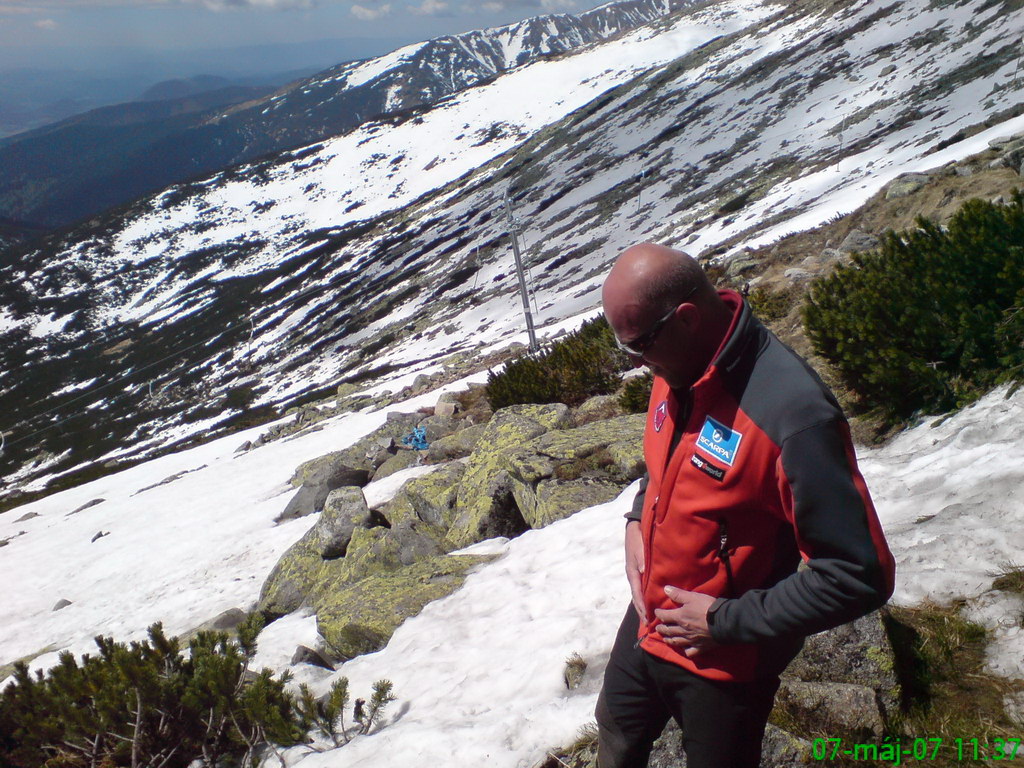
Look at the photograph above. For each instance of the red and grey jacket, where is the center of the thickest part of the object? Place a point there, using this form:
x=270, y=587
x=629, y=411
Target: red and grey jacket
x=762, y=475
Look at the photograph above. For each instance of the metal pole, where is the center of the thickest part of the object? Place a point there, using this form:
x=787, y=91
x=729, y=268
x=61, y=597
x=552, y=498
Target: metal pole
x=513, y=228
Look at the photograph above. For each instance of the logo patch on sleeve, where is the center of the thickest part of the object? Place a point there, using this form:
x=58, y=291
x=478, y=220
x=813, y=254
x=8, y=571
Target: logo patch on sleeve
x=660, y=414
x=708, y=468
x=719, y=441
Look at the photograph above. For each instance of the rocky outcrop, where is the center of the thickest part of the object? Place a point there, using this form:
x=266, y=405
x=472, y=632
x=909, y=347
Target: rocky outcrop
x=485, y=506
x=906, y=185
x=361, y=617
x=318, y=479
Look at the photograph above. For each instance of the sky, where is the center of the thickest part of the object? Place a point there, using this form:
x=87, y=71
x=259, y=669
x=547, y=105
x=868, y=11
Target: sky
x=100, y=34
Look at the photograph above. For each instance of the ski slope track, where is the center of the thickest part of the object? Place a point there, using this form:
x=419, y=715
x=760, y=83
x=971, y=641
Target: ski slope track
x=376, y=255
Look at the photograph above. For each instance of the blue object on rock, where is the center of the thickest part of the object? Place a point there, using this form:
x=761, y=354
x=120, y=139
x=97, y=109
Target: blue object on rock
x=417, y=439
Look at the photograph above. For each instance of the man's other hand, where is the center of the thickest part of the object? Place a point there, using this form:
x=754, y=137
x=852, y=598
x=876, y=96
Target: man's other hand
x=685, y=628
x=635, y=567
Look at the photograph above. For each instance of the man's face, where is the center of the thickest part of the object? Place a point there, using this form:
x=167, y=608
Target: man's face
x=660, y=337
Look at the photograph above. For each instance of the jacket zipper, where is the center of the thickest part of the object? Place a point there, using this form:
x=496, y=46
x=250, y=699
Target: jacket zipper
x=723, y=554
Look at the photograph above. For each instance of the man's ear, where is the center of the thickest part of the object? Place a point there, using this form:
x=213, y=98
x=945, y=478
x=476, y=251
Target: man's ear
x=689, y=315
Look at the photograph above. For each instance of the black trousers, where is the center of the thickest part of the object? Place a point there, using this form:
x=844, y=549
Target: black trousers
x=722, y=722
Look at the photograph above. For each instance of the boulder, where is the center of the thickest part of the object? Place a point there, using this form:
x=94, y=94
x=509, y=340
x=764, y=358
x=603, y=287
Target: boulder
x=361, y=617
x=557, y=499
x=226, y=621
x=848, y=707
x=304, y=655
x=598, y=408
x=61, y=604
x=905, y=185
x=858, y=241
x=858, y=653
x=454, y=446
x=27, y=516
x=344, y=510
x=447, y=405
x=739, y=265
x=85, y=506
x=430, y=498
x=401, y=460
x=299, y=570
x=319, y=480
x=484, y=505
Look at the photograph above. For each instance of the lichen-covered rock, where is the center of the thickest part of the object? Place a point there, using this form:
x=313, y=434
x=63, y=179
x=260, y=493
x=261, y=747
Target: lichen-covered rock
x=557, y=499
x=852, y=708
x=430, y=498
x=484, y=506
x=858, y=652
x=291, y=580
x=454, y=446
x=598, y=408
x=361, y=617
x=321, y=476
x=905, y=185
x=402, y=459
x=858, y=241
x=344, y=510
x=567, y=455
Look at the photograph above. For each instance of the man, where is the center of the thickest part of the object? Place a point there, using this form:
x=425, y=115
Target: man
x=750, y=468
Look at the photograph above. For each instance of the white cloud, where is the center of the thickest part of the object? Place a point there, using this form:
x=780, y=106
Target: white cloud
x=429, y=8
x=557, y=5
x=46, y=24
x=369, y=14
x=224, y=5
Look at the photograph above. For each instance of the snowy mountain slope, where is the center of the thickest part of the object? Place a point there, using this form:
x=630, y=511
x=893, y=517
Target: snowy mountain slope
x=477, y=674
x=783, y=116
x=113, y=164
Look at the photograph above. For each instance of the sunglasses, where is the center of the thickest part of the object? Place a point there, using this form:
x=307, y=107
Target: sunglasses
x=645, y=341
x=642, y=343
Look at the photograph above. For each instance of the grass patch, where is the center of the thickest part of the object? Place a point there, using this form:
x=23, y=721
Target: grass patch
x=1011, y=579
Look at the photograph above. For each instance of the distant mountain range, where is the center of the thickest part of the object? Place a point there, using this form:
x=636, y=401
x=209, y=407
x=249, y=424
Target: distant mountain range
x=381, y=253
x=76, y=168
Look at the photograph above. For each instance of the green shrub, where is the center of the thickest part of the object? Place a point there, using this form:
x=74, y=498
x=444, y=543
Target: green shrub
x=151, y=704
x=583, y=364
x=932, y=319
x=637, y=393
x=771, y=305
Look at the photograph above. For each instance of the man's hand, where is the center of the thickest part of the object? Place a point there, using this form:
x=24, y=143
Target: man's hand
x=686, y=627
x=635, y=567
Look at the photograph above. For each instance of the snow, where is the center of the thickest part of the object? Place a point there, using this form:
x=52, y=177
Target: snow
x=477, y=674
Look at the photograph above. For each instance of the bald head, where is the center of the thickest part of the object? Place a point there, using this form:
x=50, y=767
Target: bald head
x=657, y=277
x=646, y=283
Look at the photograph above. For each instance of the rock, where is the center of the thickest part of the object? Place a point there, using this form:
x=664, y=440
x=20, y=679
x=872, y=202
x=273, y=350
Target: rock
x=779, y=749
x=484, y=506
x=435, y=427
x=320, y=480
x=553, y=500
x=447, y=405
x=292, y=579
x=304, y=655
x=430, y=498
x=888, y=69
x=598, y=408
x=85, y=506
x=99, y=535
x=858, y=653
x=858, y=241
x=454, y=446
x=361, y=617
x=846, y=706
x=795, y=273
x=421, y=383
x=27, y=516
x=226, y=621
x=905, y=185
x=62, y=603
x=964, y=170
x=244, y=447
x=739, y=264
x=401, y=460
x=1013, y=156
x=997, y=163
x=1003, y=141
x=344, y=510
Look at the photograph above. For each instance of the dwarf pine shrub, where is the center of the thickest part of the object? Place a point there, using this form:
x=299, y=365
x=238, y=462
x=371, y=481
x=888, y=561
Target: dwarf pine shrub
x=636, y=393
x=154, y=703
x=585, y=363
x=932, y=319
